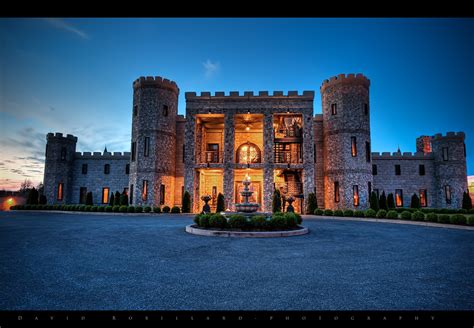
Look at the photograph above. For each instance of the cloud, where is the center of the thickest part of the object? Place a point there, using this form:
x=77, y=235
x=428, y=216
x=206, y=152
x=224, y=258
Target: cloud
x=62, y=25
x=210, y=68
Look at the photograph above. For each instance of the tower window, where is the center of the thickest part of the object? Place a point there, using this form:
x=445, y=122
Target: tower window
x=134, y=151
x=367, y=151
x=107, y=169
x=336, y=192
x=398, y=170
x=184, y=152
x=447, y=194
x=127, y=169
x=333, y=109
x=146, y=148
x=374, y=169
x=105, y=195
x=355, y=195
x=82, y=195
x=421, y=169
x=84, y=168
x=60, y=191
x=162, y=194
x=353, y=146
x=135, y=110
x=366, y=109
x=399, y=197
x=445, y=153
x=145, y=190
x=423, y=199
x=369, y=185
x=63, y=153
x=165, y=110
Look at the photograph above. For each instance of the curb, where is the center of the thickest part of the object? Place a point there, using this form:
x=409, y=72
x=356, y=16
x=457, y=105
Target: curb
x=245, y=234
x=102, y=213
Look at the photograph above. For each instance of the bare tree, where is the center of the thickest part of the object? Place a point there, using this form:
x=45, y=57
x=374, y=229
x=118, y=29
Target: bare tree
x=26, y=185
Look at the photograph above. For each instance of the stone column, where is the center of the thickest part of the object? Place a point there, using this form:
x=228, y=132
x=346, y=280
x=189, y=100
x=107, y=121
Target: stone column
x=268, y=139
x=229, y=142
x=308, y=157
x=189, y=172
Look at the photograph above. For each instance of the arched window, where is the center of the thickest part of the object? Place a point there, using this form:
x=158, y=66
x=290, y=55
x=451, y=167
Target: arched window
x=248, y=153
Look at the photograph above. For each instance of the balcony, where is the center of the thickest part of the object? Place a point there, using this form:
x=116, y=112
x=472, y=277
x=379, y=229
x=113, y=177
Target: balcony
x=212, y=157
x=287, y=153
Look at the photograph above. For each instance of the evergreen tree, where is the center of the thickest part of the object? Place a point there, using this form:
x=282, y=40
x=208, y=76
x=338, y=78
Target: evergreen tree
x=42, y=200
x=186, y=202
x=390, y=201
x=466, y=201
x=415, y=201
x=276, y=203
x=32, y=198
x=124, y=199
x=312, y=203
x=89, y=198
x=117, y=198
x=374, y=201
x=383, y=201
x=220, y=203
x=111, y=202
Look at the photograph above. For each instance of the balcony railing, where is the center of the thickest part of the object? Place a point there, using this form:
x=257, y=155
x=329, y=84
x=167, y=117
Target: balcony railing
x=287, y=157
x=212, y=156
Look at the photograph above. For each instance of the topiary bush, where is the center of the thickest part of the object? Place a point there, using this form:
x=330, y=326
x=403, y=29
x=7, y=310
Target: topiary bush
x=156, y=209
x=406, y=215
x=259, y=221
x=101, y=209
x=381, y=214
x=237, y=221
x=392, y=215
x=338, y=213
x=279, y=221
x=131, y=209
x=312, y=203
x=443, y=218
x=138, y=209
x=147, y=209
x=217, y=221
x=328, y=212
x=432, y=217
x=109, y=208
x=470, y=220
x=94, y=208
x=186, y=202
x=291, y=219
x=123, y=209
x=175, y=209
x=196, y=218
x=318, y=211
x=348, y=213
x=166, y=209
x=220, y=207
x=276, y=201
x=418, y=216
x=359, y=214
x=204, y=220
x=457, y=219
x=116, y=208
x=370, y=213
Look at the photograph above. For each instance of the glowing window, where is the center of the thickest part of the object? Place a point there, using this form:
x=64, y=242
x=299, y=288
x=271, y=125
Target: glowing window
x=334, y=109
x=248, y=153
x=60, y=191
x=399, y=197
x=447, y=194
x=353, y=146
x=423, y=199
x=336, y=192
x=145, y=190
x=355, y=193
x=105, y=195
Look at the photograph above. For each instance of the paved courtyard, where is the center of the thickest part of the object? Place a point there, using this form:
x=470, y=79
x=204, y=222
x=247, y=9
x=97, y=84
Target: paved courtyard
x=60, y=261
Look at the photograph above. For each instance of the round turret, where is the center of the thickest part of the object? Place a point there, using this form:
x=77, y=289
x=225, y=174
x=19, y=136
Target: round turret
x=152, y=167
x=346, y=126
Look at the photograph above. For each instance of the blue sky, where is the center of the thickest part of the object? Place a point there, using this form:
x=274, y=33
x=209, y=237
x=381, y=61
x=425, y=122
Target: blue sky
x=75, y=75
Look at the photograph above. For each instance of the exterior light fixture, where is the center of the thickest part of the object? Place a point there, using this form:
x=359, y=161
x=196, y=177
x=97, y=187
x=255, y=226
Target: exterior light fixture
x=247, y=128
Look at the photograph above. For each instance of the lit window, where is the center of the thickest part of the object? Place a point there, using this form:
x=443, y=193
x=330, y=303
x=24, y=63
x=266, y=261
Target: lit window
x=105, y=195
x=162, y=194
x=60, y=191
x=107, y=169
x=421, y=169
x=355, y=193
x=398, y=170
x=445, y=153
x=145, y=190
x=336, y=192
x=447, y=194
x=353, y=146
x=399, y=197
x=334, y=109
x=248, y=153
x=423, y=199
x=146, y=148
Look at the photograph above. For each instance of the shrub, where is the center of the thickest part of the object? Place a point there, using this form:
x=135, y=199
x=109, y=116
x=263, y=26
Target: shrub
x=390, y=201
x=443, y=218
x=470, y=220
x=259, y=221
x=196, y=218
x=392, y=215
x=124, y=199
x=457, y=219
x=359, y=213
x=237, y=221
x=89, y=198
x=131, y=209
x=291, y=219
x=217, y=221
x=318, y=211
x=186, y=202
x=111, y=202
x=374, y=201
x=123, y=209
x=220, y=204
x=204, y=220
x=462, y=211
x=471, y=211
x=166, y=209
x=138, y=209
x=94, y=208
x=42, y=200
x=88, y=208
x=299, y=219
x=418, y=216
x=466, y=201
x=56, y=207
x=109, y=208
x=383, y=201
x=406, y=215
x=415, y=201
x=382, y=214
x=312, y=203
x=116, y=208
x=279, y=221
x=432, y=217
x=338, y=213
x=327, y=212
x=348, y=213
x=82, y=208
x=370, y=213
x=32, y=198
x=175, y=209
x=276, y=202
x=101, y=209
x=157, y=209
x=117, y=198
x=147, y=209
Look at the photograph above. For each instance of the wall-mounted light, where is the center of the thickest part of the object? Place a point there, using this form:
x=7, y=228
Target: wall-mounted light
x=247, y=128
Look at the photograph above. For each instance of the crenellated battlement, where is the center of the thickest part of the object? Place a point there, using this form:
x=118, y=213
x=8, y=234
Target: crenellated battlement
x=449, y=135
x=59, y=136
x=99, y=155
x=155, y=81
x=402, y=156
x=345, y=79
x=219, y=95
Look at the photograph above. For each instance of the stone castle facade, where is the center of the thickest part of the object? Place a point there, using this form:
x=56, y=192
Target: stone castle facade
x=275, y=139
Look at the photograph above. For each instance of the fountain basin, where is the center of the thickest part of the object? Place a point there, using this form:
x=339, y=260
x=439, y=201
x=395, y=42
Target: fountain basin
x=247, y=207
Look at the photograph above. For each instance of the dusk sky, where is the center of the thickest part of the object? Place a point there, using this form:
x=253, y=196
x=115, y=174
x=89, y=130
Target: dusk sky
x=75, y=75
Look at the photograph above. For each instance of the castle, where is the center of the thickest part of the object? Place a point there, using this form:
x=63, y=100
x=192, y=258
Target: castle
x=275, y=139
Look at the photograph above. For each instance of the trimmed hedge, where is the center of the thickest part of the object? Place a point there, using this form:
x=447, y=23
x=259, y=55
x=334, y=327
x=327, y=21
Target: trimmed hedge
x=392, y=215
x=338, y=213
x=123, y=209
x=457, y=219
x=327, y=212
x=381, y=214
x=175, y=209
x=470, y=220
x=359, y=214
x=166, y=209
x=431, y=217
x=370, y=213
x=131, y=209
x=418, y=216
x=349, y=213
x=406, y=215
x=147, y=209
x=156, y=209
x=443, y=218
x=217, y=221
x=318, y=211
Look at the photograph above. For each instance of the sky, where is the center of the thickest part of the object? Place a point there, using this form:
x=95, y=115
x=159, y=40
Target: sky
x=75, y=75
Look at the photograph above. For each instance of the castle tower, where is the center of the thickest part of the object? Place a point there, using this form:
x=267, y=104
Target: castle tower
x=58, y=168
x=153, y=148
x=450, y=169
x=423, y=144
x=346, y=141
